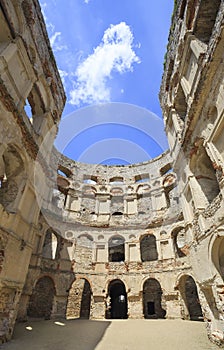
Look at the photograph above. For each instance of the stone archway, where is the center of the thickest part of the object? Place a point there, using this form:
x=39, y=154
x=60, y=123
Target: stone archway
x=189, y=294
x=42, y=299
x=79, y=300
x=118, y=308
x=152, y=297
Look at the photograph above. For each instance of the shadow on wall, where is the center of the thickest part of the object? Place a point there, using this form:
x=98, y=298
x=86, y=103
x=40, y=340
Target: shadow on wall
x=70, y=335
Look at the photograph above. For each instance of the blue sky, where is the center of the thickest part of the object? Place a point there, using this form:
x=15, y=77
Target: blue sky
x=110, y=54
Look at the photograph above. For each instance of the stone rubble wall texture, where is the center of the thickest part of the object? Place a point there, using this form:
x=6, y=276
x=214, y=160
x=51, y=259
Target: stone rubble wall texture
x=60, y=219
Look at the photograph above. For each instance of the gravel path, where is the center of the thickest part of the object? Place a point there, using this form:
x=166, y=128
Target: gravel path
x=110, y=335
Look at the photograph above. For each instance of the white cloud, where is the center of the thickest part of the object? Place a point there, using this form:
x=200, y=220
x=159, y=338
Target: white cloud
x=54, y=36
x=63, y=75
x=55, y=41
x=114, y=54
x=86, y=1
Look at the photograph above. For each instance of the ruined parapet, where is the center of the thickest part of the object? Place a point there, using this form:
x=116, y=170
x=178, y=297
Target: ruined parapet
x=100, y=195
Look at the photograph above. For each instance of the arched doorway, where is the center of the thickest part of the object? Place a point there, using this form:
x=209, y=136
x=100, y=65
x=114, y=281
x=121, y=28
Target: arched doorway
x=79, y=300
x=118, y=300
x=152, y=297
x=189, y=293
x=41, y=301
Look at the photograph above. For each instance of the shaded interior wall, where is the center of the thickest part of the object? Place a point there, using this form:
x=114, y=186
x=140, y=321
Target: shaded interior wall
x=41, y=301
x=79, y=300
x=192, y=300
x=191, y=307
x=152, y=298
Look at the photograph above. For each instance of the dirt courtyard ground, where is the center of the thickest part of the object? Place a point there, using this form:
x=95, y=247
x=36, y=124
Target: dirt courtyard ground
x=110, y=335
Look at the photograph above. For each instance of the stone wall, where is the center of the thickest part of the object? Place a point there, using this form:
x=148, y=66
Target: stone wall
x=192, y=101
x=59, y=217
x=28, y=75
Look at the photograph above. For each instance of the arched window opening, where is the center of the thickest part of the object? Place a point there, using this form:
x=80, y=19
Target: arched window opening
x=152, y=298
x=212, y=116
x=90, y=179
x=63, y=171
x=28, y=110
x=190, y=13
x=141, y=178
x=50, y=245
x=42, y=299
x=12, y=174
x=166, y=169
x=179, y=242
x=116, y=250
x=168, y=184
x=148, y=248
x=204, y=172
x=182, y=9
x=79, y=300
x=180, y=103
x=116, y=180
x=206, y=18
x=117, y=308
x=35, y=108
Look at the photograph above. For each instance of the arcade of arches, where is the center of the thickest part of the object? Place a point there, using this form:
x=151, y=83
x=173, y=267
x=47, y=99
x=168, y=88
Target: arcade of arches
x=112, y=242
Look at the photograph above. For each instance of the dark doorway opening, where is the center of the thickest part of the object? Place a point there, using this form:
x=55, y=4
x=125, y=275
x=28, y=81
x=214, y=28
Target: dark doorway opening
x=152, y=298
x=151, y=307
x=118, y=300
x=192, y=300
x=41, y=301
x=86, y=301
